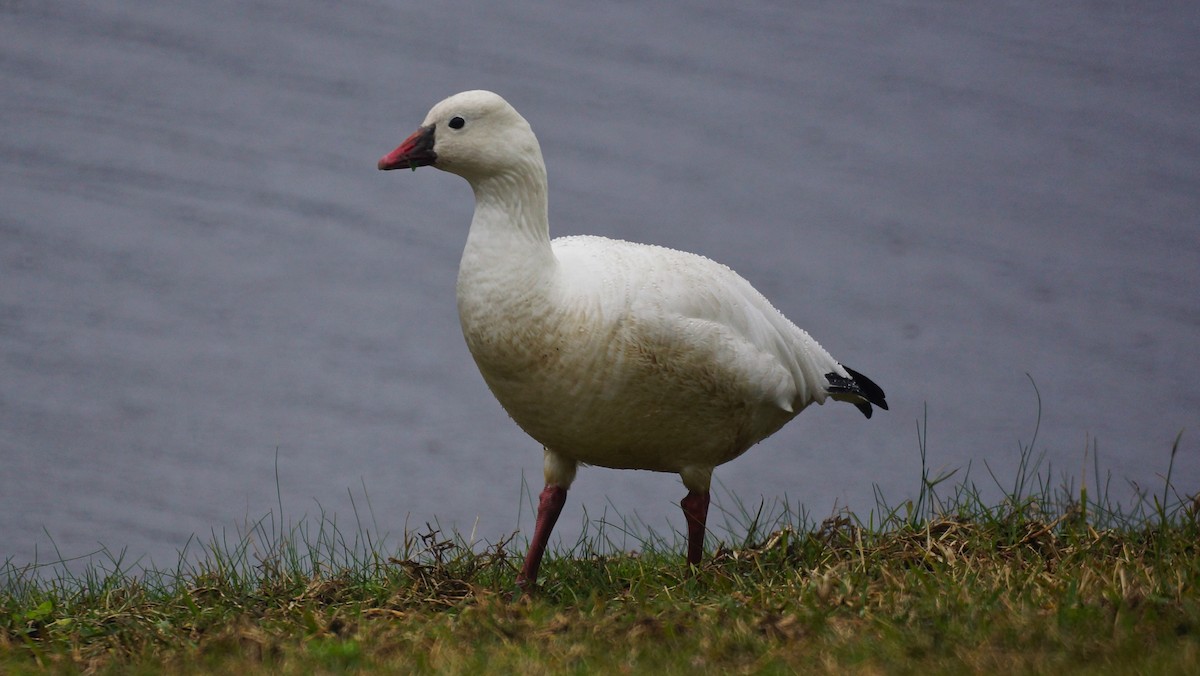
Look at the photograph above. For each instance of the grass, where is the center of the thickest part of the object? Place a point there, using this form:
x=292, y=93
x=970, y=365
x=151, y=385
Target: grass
x=1052, y=578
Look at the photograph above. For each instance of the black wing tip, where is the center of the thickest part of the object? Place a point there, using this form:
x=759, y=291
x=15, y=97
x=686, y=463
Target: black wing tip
x=860, y=385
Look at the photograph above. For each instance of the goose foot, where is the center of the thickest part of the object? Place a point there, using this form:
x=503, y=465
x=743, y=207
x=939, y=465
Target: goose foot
x=550, y=505
x=695, y=511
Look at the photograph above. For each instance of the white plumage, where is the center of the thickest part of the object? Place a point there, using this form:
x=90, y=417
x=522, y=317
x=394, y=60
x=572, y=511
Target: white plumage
x=608, y=352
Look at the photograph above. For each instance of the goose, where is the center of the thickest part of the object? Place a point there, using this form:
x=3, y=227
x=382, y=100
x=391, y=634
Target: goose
x=607, y=352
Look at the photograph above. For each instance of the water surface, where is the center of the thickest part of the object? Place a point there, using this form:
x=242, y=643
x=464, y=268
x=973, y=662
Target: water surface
x=201, y=271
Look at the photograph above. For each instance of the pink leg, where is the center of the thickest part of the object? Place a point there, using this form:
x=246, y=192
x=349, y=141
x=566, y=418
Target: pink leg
x=695, y=511
x=550, y=504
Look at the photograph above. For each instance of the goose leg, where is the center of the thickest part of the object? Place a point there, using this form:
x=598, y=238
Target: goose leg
x=550, y=505
x=695, y=511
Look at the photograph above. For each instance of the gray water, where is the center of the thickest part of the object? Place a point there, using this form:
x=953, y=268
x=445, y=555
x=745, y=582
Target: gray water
x=203, y=273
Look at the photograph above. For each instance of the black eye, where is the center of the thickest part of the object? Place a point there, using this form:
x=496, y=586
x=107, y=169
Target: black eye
x=457, y=122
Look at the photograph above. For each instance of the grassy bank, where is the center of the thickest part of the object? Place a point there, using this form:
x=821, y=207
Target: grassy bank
x=1047, y=580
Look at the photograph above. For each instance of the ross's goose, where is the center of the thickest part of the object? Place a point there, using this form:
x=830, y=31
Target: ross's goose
x=607, y=352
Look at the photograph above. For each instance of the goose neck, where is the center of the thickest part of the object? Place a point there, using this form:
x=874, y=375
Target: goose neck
x=511, y=209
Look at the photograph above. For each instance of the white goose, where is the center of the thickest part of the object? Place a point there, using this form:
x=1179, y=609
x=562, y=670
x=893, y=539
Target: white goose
x=607, y=352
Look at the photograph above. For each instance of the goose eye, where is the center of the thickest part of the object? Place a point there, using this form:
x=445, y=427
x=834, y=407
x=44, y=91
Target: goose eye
x=457, y=123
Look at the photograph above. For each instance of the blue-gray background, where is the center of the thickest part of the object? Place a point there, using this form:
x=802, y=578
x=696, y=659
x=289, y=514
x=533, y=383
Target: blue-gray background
x=202, y=270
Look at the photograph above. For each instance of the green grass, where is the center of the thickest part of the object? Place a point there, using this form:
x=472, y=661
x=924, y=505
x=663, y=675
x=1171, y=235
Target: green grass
x=1051, y=578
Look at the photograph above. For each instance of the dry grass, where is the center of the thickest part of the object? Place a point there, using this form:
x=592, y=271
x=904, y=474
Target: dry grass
x=1047, y=581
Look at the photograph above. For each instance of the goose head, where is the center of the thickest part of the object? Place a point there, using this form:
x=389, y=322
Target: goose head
x=475, y=134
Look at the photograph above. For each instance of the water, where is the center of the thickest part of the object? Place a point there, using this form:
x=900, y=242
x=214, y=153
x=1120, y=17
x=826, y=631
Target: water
x=204, y=278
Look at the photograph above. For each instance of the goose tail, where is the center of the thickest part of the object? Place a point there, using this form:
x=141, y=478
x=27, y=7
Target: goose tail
x=856, y=389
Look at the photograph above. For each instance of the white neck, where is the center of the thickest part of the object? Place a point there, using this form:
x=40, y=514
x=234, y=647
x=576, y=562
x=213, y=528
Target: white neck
x=507, y=261
x=511, y=224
